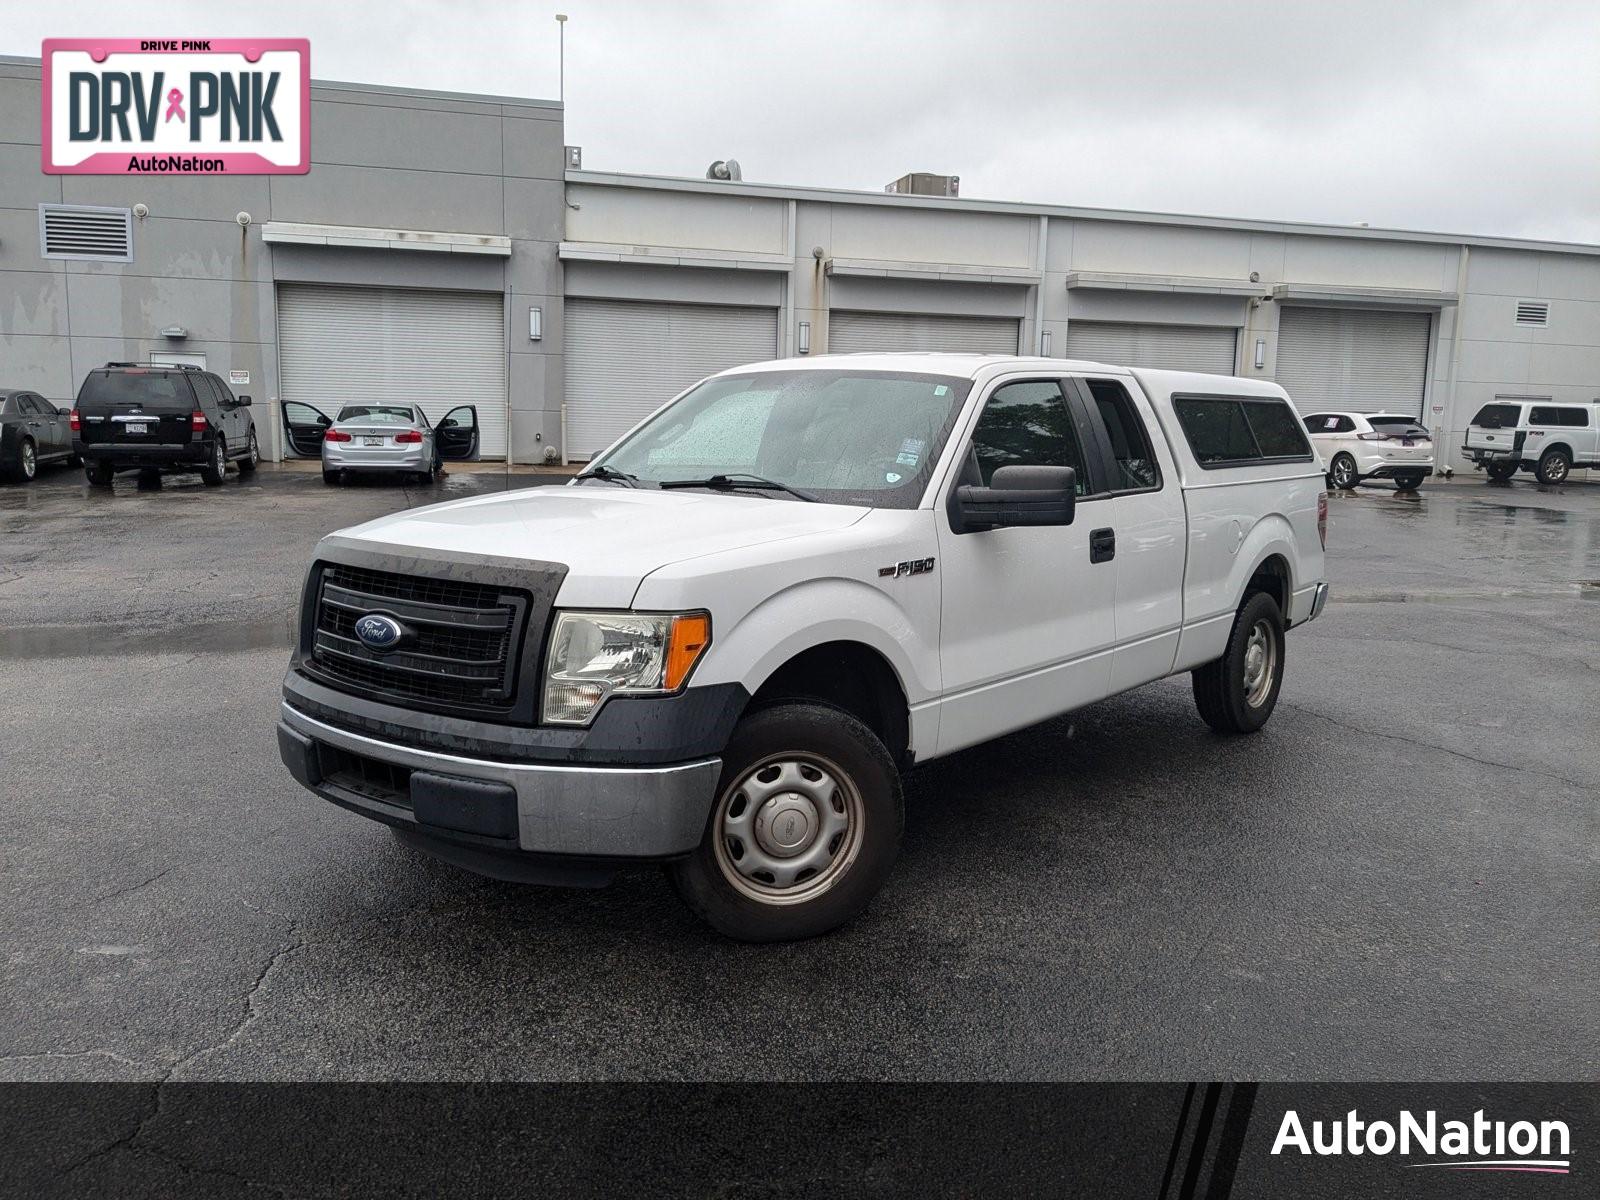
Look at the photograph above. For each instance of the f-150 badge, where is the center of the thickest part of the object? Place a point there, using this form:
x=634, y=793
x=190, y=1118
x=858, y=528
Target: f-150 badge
x=913, y=566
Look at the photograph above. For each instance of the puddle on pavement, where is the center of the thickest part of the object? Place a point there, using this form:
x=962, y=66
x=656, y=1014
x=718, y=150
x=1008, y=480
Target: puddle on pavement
x=97, y=641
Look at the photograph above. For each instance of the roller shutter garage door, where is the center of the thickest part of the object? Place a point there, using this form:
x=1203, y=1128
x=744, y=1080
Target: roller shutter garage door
x=1207, y=348
x=1355, y=359
x=361, y=345
x=626, y=358
x=852, y=332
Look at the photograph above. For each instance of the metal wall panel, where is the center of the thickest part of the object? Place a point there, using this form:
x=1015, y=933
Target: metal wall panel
x=626, y=358
x=852, y=332
x=359, y=345
x=1354, y=359
x=1208, y=348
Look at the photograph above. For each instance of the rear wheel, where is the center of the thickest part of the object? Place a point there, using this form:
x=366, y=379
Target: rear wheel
x=213, y=472
x=425, y=478
x=1237, y=693
x=1554, y=467
x=99, y=474
x=1409, y=481
x=1501, y=470
x=331, y=478
x=804, y=830
x=1342, y=472
x=252, y=457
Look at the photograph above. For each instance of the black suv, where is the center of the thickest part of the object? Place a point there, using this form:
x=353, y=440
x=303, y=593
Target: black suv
x=132, y=417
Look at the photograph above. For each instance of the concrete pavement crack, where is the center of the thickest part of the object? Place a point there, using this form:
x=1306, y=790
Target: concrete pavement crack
x=1486, y=762
x=71, y=1054
x=134, y=888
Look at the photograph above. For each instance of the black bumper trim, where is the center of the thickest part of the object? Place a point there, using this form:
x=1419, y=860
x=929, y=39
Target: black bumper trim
x=628, y=732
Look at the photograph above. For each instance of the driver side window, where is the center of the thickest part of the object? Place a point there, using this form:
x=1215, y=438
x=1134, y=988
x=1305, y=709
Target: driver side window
x=1026, y=423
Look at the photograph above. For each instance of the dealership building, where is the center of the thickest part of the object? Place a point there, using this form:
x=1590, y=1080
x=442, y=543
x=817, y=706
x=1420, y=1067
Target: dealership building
x=448, y=248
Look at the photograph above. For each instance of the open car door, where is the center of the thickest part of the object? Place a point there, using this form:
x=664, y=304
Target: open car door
x=456, y=434
x=304, y=427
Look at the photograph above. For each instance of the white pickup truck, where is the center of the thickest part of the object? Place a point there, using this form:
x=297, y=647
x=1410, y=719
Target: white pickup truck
x=724, y=642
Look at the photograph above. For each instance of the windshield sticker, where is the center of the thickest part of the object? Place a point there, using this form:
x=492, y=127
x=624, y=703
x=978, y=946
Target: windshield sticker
x=891, y=477
x=941, y=390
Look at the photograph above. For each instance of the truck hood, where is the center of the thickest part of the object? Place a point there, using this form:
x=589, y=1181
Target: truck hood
x=610, y=538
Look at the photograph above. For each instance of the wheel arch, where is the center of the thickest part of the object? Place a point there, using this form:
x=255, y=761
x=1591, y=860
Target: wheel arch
x=850, y=675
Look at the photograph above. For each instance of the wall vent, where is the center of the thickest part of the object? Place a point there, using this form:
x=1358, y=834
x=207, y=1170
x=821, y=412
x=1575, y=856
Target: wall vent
x=85, y=232
x=1533, y=312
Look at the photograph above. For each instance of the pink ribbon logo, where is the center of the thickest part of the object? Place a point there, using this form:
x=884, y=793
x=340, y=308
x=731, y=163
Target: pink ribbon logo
x=175, y=105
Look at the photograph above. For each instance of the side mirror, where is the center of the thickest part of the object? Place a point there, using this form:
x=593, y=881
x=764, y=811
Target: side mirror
x=1018, y=495
x=244, y=401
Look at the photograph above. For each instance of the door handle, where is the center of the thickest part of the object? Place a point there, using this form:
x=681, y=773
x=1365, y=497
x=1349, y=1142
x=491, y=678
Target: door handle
x=1102, y=545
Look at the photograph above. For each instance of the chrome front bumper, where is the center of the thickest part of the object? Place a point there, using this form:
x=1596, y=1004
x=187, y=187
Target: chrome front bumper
x=549, y=809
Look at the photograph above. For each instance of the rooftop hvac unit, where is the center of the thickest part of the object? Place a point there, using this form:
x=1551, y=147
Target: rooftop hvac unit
x=921, y=183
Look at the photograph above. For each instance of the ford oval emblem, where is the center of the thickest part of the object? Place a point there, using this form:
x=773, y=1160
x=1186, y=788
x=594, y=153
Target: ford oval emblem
x=379, y=632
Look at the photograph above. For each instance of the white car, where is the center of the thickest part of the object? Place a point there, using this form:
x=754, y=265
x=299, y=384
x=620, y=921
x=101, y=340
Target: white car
x=719, y=646
x=1359, y=446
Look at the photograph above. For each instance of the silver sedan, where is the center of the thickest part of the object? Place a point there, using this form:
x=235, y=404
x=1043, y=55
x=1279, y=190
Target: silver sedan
x=380, y=437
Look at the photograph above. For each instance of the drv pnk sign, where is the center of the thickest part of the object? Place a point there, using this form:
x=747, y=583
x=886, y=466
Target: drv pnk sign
x=212, y=106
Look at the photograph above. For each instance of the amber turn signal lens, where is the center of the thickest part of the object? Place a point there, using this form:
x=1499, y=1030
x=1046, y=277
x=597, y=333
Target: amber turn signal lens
x=691, y=635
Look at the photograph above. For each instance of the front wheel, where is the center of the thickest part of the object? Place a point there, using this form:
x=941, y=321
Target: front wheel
x=1409, y=481
x=1237, y=693
x=804, y=831
x=1501, y=471
x=252, y=458
x=1553, y=467
x=213, y=472
x=1342, y=472
x=27, y=463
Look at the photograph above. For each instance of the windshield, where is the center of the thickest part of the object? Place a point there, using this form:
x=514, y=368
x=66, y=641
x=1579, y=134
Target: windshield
x=1397, y=426
x=846, y=437
x=384, y=412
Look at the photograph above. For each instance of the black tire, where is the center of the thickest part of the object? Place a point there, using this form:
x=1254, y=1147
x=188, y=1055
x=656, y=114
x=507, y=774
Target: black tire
x=331, y=478
x=1554, y=467
x=99, y=474
x=1342, y=472
x=1501, y=471
x=27, y=465
x=252, y=457
x=856, y=860
x=425, y=478
x=1409, y=481
x=215, y=471
x=1220, y=691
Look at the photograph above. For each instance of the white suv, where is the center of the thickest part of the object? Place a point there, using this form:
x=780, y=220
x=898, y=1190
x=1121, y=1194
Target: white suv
x=1547, y=439
x=1359, y=446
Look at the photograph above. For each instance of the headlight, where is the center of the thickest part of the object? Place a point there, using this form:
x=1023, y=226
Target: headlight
x=594, y=655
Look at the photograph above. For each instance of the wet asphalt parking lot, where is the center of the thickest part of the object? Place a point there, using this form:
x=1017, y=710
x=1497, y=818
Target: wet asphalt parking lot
x=1395, y=880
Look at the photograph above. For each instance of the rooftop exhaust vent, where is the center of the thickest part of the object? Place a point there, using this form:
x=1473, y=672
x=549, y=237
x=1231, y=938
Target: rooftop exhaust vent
x=727, y=170
x=921, y=183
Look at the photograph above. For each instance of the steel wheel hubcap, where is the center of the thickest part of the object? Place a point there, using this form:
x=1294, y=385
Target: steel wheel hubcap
x=788, y=829
x=1260, y=664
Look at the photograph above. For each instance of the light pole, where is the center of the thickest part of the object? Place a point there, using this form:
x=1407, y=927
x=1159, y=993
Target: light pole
x=561, y=23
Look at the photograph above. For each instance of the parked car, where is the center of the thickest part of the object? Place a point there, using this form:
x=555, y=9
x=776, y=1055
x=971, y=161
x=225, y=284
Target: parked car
x=381, y=437
x=1547, y=439
x=1356, y=447
x=32, y=432
x=723, y=643
x=161, y=419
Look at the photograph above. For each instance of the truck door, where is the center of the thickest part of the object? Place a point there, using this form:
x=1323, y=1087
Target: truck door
x=1026, y=626
x=1144, y=510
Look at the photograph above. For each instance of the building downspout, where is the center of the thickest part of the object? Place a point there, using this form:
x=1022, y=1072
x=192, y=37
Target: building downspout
x=1038, y=291
x=1455, y=362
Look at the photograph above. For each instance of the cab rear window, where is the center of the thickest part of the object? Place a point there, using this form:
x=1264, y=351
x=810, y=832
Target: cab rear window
x=1232, y=431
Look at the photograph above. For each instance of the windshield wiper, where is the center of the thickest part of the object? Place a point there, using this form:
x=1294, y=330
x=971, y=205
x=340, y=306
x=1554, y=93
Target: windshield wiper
x=610, y=475
x=740, y=479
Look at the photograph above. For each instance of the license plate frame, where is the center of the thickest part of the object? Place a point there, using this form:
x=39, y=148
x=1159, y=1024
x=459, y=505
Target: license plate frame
x=136, y=427
x=369, y=440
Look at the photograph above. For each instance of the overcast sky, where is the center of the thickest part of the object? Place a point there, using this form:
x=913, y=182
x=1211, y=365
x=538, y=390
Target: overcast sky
x=1470, y=116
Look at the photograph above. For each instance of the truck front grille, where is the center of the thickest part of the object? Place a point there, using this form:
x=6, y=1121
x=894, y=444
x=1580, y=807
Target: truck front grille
x=462, y=647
